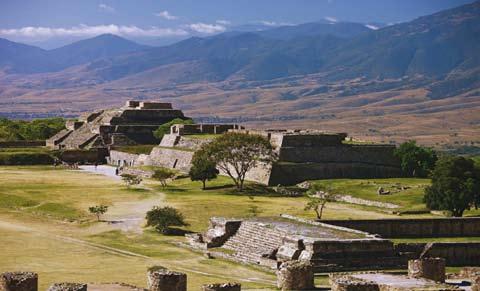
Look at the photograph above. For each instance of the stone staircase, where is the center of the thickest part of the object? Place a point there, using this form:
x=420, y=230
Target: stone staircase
x=253, y=242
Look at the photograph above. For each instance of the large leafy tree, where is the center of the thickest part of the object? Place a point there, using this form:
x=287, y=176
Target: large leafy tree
x=455, y=185
x=203, y=168
x=237, y=153
x=162, y=218
x=416, y=161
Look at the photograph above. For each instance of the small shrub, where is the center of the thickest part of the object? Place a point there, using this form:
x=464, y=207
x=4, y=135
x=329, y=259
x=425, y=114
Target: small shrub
x=131, y=180
x=162, y=218
x=162, y=175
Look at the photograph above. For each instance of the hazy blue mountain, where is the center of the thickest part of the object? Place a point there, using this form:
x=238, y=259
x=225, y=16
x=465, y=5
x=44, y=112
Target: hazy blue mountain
x=20, y=58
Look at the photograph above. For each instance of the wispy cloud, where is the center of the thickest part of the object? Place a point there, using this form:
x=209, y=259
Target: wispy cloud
x=207, y=28
x=223, y=22
x=39, y=32
x=274, y=23
x=166, y=15
x=331, y=19
x=371, y=26
x=106, y=8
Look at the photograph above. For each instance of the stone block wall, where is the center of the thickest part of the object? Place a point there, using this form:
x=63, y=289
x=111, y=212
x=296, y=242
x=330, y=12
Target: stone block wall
x=118, y=158
x=372, y=155
x=68, y=287
x=18, y=281
x=171, y=158
x=454, y=253
x=222, y=287
x=162, y=279
x=428, y=268
x=82, y=156
x=295, y=275
x=402, y=228
x=293, y=173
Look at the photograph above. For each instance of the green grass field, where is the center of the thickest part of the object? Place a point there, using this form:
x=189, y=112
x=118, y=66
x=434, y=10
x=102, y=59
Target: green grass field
x=45, y=226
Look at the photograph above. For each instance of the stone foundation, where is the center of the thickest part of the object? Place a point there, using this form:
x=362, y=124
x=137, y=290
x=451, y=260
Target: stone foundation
x=19, y=281
x=295, y=275
x=476, y=284
x=345, y=284
x=222, y=287
x=68, y=287
x=162, y=279
x=428, y=268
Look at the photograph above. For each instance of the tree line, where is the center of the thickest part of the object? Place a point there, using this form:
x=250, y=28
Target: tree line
x=37, y=129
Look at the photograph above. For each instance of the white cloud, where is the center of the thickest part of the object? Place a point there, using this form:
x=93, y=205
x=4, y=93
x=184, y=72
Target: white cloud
x=223, y=22
x=372, y=27
x=331, y=19
x=39, y=32
x=166, y=15
x=207, y=28
x=106, y=8
x=273, y=23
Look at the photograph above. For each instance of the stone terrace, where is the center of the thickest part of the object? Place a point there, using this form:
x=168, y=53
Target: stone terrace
x=270, y=241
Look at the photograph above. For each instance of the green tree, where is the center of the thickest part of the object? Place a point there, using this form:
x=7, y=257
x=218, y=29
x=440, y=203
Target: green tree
x=455, y=185
x=237, y=153
x=416, y=161
x=162, y=218
x=98, y=210
x=131, y=180
x=162, y=175
x=318, y=204
x=165, y=128
x=203, y=168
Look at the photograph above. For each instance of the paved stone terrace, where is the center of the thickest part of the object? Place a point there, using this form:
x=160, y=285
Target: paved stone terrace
x=315, y=232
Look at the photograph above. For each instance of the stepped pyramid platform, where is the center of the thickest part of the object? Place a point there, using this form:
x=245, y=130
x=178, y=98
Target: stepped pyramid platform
x=269, y=241
x=129, y=125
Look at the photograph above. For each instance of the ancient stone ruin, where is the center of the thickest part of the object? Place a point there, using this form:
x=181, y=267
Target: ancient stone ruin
x=129, y=125
x=162, y=279
x=295, y=275
x=428, y=268
x=68, y=287
x=222, y=287
x=18, y=281
x=269, y=242
x=302, y=155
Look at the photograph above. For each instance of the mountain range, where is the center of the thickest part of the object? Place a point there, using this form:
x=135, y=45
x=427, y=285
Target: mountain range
x=417, y=79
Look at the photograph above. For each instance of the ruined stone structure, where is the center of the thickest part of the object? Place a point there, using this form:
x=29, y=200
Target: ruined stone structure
x=295, y=275
x=384, y=282
x=222, y=287
x=269, y=242
x=132, y=124
x=18, y=281
x=68, y=287
x=428, y=268
x=302, y=155
x=161, y=279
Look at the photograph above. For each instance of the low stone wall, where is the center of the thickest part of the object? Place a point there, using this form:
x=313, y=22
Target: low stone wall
x=83, y=156
x=68, y=287
x=222, y=287
x=454, y=253
x=403, y=228
x=22, y=143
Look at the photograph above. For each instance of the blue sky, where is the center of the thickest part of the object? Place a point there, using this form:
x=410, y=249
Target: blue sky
x=37, y=21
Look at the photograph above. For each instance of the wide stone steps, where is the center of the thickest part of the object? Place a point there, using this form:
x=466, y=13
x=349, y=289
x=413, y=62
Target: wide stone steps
x=253, y=241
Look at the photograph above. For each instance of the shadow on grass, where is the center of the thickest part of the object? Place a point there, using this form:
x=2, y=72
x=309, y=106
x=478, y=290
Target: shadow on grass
x=219, y=187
